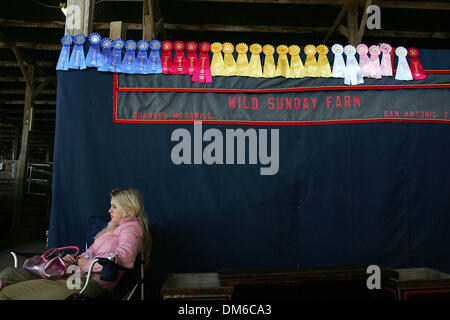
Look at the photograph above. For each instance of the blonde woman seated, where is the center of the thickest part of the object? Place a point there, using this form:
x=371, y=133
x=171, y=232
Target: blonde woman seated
x=126, y=235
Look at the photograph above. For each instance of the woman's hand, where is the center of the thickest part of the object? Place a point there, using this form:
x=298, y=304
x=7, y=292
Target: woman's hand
x=70, y=258
x=82, y=261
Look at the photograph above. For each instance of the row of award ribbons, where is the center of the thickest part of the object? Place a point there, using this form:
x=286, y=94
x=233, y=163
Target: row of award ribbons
x=106, y=55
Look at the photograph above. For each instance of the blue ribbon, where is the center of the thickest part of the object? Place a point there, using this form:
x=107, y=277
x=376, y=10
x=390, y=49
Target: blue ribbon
x=93, y=58
x=141, y=65
x=128, y=61
x=114, y=61
x=106, y=45
x=154, y=59
x=77, y=60
x=63, y=61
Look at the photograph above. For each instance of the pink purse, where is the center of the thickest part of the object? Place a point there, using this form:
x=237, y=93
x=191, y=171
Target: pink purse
x=50, y=264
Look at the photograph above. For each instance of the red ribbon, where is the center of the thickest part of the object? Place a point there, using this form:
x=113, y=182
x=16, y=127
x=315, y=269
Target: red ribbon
x=191, y=60
x=415, y=65
x=166, y=57
x=179, y=62
x=202, y=72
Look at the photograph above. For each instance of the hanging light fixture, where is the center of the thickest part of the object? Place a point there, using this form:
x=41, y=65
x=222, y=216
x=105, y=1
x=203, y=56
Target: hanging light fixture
x=63, y=7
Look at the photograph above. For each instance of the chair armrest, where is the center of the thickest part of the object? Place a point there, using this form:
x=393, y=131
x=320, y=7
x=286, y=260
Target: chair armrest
x=22, y=254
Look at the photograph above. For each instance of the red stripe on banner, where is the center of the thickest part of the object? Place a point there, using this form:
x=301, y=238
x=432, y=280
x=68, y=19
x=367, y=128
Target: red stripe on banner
x=329, y=88
x=115, y=88
x=281, y=123
x=406, y=293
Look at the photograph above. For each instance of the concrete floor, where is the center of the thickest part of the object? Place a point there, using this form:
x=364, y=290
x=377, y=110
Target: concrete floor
x=37, y=246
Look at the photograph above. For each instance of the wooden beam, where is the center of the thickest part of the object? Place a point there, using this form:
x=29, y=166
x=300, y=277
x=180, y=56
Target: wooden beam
x=245, y=28
x=23, y=157
x=382, y=3
x=13, y=64
x=352, y=22
x=362, y=25
x=21, y=102
x=35, y=46
x=80, y=14
x=336, y=23
x=22, y=91
x=18, y=54
x=148, y=21
x=20, y=79
x=118, y=30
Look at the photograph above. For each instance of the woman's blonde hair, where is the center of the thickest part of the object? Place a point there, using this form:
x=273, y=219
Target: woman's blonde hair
x=130, y=203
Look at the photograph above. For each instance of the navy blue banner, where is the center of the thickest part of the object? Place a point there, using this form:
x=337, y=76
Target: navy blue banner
x=345, y=193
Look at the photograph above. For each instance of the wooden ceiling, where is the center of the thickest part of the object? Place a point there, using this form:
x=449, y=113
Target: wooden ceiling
x=31, y=30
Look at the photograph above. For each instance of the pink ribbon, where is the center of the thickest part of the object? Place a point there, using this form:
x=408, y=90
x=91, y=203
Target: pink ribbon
x=415, y=65
x=191, y=60
x=386, y=63
x=166, y=57
x=179, y=62
x=202, y=72
x=364, y=61
x=375, y=68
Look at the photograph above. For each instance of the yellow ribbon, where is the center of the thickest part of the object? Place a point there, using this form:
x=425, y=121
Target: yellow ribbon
x=283, y=69
x=228, y=60
x=297, y=68
x=269, y=61
x=322, y=62
x=254, y=67
x=217, y=60
x=311, y=68
x=242, y=60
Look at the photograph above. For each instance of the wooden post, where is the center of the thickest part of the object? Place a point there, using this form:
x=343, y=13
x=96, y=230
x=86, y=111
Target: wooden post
x=362, y=26
x=80, y=14
x=336, y=23
x=15, y=144
x=352, y=22
x=148, y=24
x=117, y=30
x=23, y=156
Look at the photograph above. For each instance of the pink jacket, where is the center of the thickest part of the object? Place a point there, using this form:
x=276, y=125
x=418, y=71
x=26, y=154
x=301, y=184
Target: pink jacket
x=125, y=241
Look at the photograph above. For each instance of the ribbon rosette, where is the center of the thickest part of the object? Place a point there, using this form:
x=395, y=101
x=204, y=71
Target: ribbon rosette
x=217, y=60
x=154, y=59
x=77, y=60
x=229, y=65
x=63, y=61
x=106, y=45
x=353, y=76
x=202, y=73
x=322, y=61
x=386, y=63
x=416, y=67
x=339, y=69
x=166, y=57
x=242, y=60
x=296, y=67
x=179, y=62
x=403, y=71
x=254, y=67
x=141, y=66
x=375, y=68
x=364, y=61
x=191, y=60
x=283, y=69
x=311, y=67
x=269, y=61
x=114, y=61
x=128, y=61
x=93, y=58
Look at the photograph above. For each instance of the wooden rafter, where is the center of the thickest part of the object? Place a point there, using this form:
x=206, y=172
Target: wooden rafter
x=361, y=3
